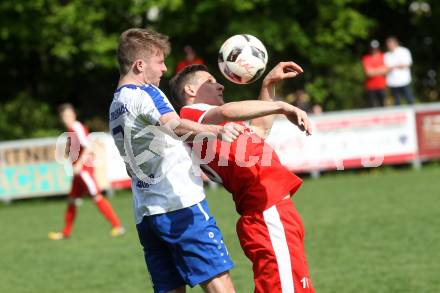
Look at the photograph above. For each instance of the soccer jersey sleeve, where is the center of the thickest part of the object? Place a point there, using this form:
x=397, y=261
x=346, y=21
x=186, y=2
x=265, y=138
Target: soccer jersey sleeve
x=195, y=112
x=81, y=133
x=154, y=104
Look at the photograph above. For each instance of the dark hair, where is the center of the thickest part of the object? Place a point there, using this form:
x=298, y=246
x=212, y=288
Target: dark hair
x=393, y=38
x=178, y=82
x=136, y=43
x=64, y=107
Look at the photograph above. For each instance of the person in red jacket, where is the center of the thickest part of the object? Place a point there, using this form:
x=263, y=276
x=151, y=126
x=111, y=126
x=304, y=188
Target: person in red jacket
x=190, y=59
x=79, y=150
x=375, y=71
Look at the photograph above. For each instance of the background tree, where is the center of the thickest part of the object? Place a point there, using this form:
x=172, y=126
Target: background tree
x=55, y=51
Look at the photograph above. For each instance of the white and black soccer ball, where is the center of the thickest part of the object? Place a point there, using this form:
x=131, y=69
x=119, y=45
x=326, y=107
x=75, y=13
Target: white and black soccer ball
x=242, y=59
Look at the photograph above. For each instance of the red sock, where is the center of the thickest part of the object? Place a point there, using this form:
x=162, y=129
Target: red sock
x=106, y=209
x=69, y=217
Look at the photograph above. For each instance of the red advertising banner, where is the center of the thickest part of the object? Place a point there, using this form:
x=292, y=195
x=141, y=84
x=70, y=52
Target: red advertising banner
x=428, y=133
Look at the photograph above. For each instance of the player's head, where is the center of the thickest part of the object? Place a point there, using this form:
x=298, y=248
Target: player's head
x=141, y=53
x=392, y=43
x=195, y=84
x=67, y=114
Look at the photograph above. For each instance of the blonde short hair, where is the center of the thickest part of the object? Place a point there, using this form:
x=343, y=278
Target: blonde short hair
x=138, y=43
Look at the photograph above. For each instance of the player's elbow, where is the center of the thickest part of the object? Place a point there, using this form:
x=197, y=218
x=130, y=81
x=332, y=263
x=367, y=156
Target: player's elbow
x=224, y=114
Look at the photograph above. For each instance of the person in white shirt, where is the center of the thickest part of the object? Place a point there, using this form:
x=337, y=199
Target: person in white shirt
x=399, y=61
x=181, y=241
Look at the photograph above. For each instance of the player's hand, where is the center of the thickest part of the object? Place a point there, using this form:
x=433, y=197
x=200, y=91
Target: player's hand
x=231, y=131
x=283, y=70
x=300, y=119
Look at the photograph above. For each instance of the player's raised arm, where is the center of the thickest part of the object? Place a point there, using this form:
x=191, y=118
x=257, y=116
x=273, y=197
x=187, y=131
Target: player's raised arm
x=202, y=97
x=300, y=119
x=282, y=70
x=190, y=130
x=245, y=110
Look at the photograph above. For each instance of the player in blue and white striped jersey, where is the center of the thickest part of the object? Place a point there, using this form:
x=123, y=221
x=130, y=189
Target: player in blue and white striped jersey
x=182, y=243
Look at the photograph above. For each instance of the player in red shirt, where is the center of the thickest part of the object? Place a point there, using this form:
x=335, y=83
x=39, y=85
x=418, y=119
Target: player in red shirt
x=270, y=229
x=375, y=70
x=79, y=150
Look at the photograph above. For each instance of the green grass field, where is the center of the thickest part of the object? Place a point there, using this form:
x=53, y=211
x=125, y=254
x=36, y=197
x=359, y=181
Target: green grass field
x=376, y=231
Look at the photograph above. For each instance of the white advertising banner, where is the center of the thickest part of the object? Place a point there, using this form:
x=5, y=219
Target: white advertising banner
x=340, y=140
x=37, y=167
x=352, y=139
x=115, y=167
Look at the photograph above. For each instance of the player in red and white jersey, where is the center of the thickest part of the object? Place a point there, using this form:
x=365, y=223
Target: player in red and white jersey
x=78, y=149
x=270, y=229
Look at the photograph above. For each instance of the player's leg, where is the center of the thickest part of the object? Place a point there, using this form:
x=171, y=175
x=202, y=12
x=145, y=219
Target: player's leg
x=159, y=260
x=197, y=246
x=102, y=203
x=70, y=213
x=106, y=210
x=69, y=217
x=275, y=249
x=256, y=244
x=294, y=233
x=219, y=284
x=178, y=290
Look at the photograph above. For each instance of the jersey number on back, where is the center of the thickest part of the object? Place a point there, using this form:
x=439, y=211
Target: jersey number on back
x=118, y=129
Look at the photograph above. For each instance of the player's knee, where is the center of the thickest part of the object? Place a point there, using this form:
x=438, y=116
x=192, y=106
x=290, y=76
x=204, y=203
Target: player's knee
x=219, y=284
x=71, y=200
x=178, y=290
x=97, y=197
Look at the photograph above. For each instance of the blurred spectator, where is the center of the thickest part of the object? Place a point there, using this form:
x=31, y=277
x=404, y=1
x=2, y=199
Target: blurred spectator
x=375, y=70
x=398, y=60
x=302, y=100
x=190, y=59
x=317, y=109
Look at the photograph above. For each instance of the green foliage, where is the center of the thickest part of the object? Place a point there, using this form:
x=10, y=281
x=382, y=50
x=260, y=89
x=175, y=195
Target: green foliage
x=64, y=50
x=319, y=36
x=24, y=117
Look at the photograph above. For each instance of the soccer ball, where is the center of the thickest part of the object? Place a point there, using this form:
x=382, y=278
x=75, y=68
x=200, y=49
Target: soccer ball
x=242, y=59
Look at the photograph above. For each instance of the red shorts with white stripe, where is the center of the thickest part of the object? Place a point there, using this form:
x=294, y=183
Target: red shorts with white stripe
x=274, y=241
x=84, y=183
